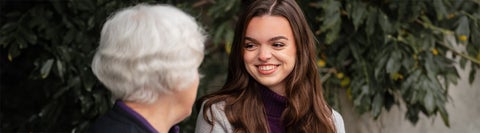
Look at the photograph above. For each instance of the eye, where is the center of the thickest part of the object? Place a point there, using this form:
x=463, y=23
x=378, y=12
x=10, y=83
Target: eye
x=278, y=45
x=250, y=46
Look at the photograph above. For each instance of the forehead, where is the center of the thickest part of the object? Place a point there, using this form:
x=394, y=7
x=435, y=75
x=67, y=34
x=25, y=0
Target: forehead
x=267, y=26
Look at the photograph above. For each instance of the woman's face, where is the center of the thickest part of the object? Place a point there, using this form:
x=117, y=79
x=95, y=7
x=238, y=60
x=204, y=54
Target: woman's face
x=269, y=51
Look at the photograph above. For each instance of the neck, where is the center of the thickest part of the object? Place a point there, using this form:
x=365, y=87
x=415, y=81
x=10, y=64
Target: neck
x=279, y=89
x=161, y=114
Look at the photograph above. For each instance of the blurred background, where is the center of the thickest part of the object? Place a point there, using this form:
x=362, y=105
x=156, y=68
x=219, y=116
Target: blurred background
x=388, y=66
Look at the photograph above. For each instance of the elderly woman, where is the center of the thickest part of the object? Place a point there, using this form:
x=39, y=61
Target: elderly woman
x=148, y=58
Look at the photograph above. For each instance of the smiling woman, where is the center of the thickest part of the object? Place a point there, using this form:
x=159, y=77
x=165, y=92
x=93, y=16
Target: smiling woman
x=272, y=83
x=270, y=51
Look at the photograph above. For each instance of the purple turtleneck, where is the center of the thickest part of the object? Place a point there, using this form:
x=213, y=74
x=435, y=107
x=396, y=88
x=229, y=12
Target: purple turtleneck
x=274, y=105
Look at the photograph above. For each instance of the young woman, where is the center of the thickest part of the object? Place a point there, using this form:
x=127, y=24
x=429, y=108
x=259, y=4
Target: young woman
x=273, y=83
x=148, y=58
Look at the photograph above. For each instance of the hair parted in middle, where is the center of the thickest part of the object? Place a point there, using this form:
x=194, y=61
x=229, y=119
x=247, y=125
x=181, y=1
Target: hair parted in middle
x=306, y=109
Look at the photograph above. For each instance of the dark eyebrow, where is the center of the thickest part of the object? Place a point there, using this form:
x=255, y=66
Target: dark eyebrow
x=270, y=40
x=251, y=39
x=277, y=38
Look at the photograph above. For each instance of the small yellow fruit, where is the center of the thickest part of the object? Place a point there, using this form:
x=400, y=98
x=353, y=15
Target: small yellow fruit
x=321, y=63
x=463, y=38
x=349, y=93
x=450, y=16
x=397, y=76
x=345, y=82
x=10, y=57
x=228, y=47
x=340, y=75
x=434, y=51
x=478, y=56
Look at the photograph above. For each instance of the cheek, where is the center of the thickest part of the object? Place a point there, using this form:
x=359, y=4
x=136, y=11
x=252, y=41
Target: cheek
x=194, y=88
x=286, y=57
x=292, y=55
x=248, y=58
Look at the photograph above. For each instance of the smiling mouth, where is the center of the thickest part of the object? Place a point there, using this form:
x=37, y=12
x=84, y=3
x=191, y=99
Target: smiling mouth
x=267, y=69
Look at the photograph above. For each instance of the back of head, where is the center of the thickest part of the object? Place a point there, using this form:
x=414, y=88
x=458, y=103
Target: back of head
x=146, y=50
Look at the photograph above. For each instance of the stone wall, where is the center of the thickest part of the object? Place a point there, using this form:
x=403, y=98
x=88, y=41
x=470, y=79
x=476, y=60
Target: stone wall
x=463, y=107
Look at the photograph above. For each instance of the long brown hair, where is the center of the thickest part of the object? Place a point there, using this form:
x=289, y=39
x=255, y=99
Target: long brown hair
x=306, y=109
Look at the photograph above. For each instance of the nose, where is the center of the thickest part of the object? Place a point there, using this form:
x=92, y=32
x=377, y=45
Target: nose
x=264, y=54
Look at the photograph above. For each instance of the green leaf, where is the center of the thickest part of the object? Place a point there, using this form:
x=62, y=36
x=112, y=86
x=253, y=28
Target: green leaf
x=218, y=36
x=426, y=40
x=452, y=76
x=9, y=27
x=444, y=114
x=21, y=43
x=380, y=67
x=13, y=52
x=59, y=7
x=91, y=23
x=229, y=36
x=31, y=37
x=408, y=62
x=332, y=17
x=68, y=38
x=429, y=103
x=84, y=5
x=333, y=34
x=229, y=6
x=377, y=105
x=440, y=9
x=411, y=80
x=371, y=21
x=86, y=80
x=384, y=23
x=60, y=69
x=332, y=21
x=412, y=114
x=47, y=66
x=358, y=13
x=344, y=53
x=463, y=63
x=393, y=64
x=389, y=101
x=471, y=76
x=463, y=26
x=430, y=66
x=475, y=31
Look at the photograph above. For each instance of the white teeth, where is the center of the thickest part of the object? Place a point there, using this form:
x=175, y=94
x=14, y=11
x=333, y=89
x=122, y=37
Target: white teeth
x=266, y=68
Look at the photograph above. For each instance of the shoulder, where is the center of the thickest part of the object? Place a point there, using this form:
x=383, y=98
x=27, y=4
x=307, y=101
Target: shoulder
x=216, y=109
x=338, y=121
x=109, y=123
x=115, y=121
x=216, y=114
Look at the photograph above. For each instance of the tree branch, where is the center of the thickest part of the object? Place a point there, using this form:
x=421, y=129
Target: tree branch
x=460, y=54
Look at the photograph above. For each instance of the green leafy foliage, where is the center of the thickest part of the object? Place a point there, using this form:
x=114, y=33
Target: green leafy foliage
x=397, y=51
x=380, y=52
